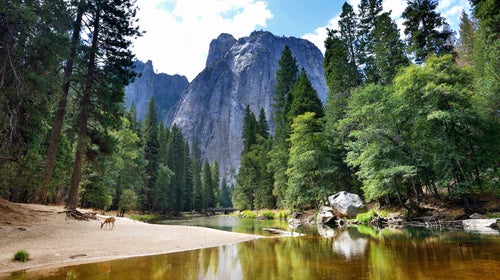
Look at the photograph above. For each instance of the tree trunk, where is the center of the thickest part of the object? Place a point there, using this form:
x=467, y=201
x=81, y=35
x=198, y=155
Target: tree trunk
x=82, y=130
x=61, y=107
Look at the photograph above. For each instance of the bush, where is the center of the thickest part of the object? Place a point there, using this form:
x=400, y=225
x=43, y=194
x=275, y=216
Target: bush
x=270, y=215
x=248, y=214
x=282, y=214
x=21, y=256
x=365, y=218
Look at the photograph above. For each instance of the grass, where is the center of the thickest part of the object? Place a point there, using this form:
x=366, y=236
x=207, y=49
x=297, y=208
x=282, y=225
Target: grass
x=148, y=218
x=22, y=256
x=365, y=218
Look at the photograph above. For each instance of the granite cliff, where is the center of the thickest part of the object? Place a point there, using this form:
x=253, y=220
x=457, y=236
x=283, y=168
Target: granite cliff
x=238, y=73
x=166, y=90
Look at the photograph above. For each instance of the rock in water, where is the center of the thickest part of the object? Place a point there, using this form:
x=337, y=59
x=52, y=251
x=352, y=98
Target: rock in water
x=347, y=204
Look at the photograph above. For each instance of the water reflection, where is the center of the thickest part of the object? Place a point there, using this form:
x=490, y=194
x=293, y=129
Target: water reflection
x=352, y=253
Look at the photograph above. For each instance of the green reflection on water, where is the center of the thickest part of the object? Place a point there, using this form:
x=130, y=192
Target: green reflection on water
x=351, y=253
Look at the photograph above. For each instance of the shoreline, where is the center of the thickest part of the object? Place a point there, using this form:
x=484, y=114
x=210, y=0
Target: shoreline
x=53, y=242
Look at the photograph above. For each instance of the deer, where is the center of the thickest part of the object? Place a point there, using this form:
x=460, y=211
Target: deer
x=109, y=222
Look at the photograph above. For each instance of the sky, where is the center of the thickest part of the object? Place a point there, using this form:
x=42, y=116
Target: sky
x=178, y=32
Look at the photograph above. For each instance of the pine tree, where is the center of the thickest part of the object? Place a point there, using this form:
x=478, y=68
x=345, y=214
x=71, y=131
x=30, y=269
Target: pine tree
x=151, y=147
x=208, y=195
x=286, y=75
x=389, y=50
x=33, y=44
x=369, y=12
x=305, y=98
x=426, y=31
x=108, y=71
x=465, y=43
x=196, y=169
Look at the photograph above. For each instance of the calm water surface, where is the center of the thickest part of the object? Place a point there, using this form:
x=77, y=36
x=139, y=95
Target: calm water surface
x=324, y=253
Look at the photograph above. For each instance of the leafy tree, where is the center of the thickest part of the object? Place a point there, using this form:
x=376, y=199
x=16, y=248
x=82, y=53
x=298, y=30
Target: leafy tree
x=128, y=201
x=305, y=184
x=426, y=31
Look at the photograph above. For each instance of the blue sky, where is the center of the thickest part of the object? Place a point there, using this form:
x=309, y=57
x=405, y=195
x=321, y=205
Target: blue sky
x=178, y=32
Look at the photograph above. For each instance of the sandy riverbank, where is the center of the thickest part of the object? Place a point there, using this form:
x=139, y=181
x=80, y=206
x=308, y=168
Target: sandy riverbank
x=52, y=242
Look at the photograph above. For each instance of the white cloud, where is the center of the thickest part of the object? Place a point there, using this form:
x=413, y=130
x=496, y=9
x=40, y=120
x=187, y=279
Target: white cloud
x=178, y=32
x=450, y=9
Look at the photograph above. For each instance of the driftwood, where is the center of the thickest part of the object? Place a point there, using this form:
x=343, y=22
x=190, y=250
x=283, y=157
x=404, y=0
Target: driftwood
x=77, y=215
x=283, y=232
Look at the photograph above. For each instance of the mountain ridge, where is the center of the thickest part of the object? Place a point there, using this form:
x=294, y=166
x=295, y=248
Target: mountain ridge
x=238, y=73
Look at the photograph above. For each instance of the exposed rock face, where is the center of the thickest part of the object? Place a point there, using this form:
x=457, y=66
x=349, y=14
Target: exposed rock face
x=347, y=204
x=166, y=90
x=238, y=73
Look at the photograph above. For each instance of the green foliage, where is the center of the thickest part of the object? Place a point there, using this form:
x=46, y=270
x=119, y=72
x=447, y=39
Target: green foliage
x=147, y=218
x=127, y=202
x=21, y=256
x=248, y=214
x=365, y=218
x=427, y=32
x=305, y=182
x=268, y=214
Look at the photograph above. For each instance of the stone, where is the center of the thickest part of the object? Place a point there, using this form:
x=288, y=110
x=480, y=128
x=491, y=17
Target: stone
x=480, y=223
x=325, y=214
x=347, y=204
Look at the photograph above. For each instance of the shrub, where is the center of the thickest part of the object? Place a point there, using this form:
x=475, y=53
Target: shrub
x=248, y=214
x=21, y=256
x=270, y=215
x=364, y=218
x=282, y=214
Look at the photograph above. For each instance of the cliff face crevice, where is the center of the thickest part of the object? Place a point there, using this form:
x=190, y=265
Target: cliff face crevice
x=238, y=73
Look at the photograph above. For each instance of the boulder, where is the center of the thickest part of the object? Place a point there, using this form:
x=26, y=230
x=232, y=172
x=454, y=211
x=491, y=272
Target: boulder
x=347, y=204
x=325, y=214
x=480, y=223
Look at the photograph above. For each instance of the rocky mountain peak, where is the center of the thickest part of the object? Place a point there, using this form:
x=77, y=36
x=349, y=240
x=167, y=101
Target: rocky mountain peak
x=238, y=73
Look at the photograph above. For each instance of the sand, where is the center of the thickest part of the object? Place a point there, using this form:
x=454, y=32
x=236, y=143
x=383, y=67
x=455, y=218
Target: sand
x=54, y=242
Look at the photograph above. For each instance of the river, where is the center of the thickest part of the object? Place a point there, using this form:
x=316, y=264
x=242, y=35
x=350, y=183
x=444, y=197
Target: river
x=326, y=253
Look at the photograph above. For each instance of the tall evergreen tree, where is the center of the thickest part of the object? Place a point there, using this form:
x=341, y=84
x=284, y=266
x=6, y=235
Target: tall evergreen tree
x=305, y=98
x=108, y=71
x=389, y=50
x=33, y=42
x=196, y=169
x=151, y=147
x=286, y=75
x=465, y=43
x=207, y=186
x=348, y=31
x=369, y=12
x=426, y=31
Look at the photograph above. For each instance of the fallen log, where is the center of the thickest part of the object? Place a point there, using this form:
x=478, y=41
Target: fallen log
x=283, y=232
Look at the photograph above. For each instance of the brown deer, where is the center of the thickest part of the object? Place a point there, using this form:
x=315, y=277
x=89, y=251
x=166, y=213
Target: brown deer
x=110, y=222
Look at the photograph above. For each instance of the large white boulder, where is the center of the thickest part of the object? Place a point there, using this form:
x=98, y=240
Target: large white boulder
x=347, y=204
